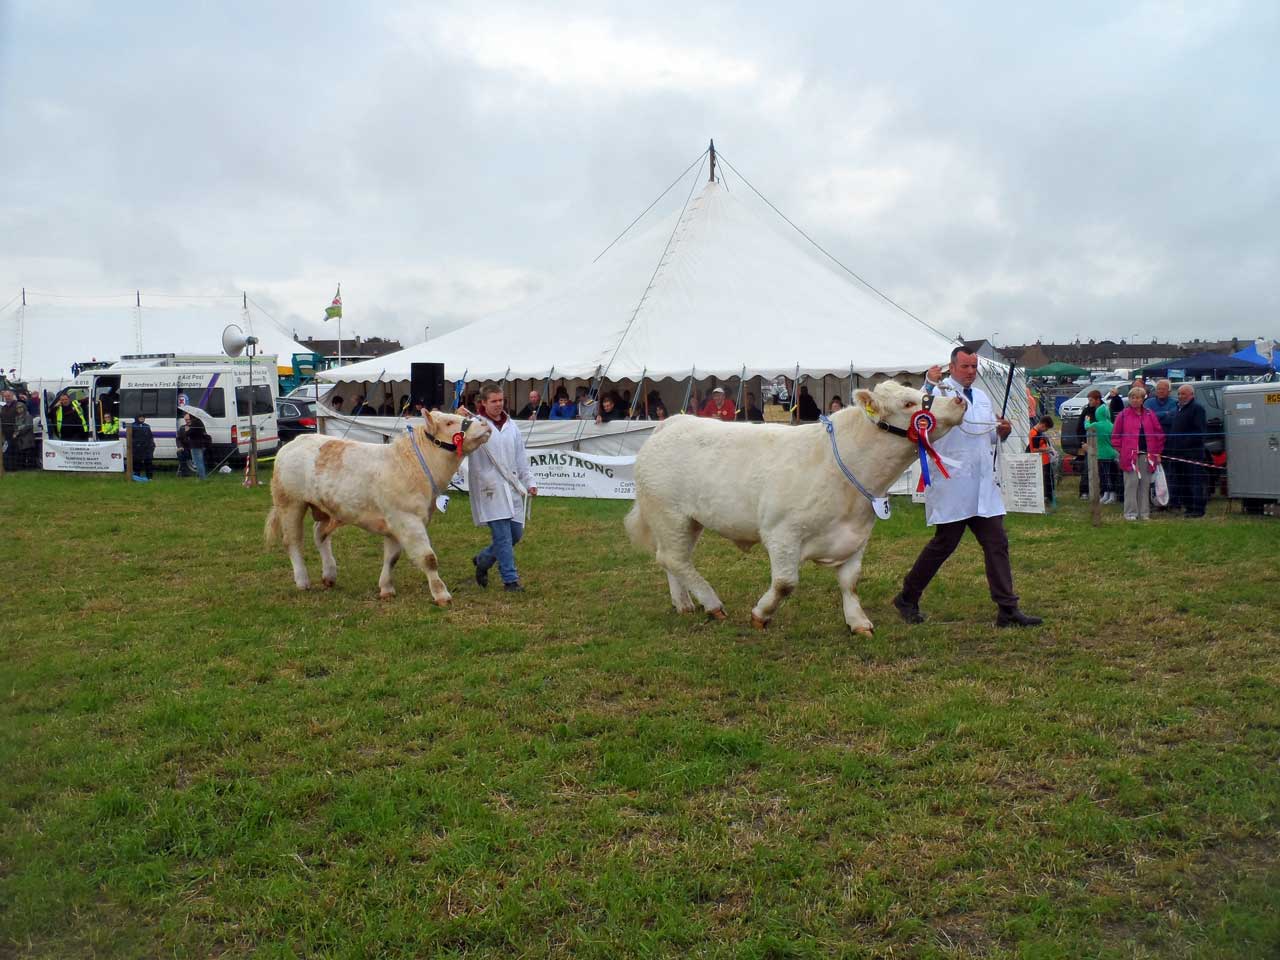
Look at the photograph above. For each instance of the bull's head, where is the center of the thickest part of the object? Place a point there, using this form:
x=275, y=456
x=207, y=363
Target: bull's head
x=898, y=406
x=463, y=434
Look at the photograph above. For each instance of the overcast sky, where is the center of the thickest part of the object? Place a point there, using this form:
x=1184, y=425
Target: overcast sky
x=1017, y=170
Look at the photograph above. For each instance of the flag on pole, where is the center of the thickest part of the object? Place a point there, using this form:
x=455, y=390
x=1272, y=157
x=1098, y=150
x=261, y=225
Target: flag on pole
x=334, y=309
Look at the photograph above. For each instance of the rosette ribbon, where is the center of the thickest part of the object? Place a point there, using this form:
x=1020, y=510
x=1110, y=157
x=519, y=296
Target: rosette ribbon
x=918, y=431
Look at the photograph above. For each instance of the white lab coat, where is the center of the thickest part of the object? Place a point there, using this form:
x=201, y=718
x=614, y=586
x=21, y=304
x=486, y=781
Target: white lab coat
x=492, y=496
x=971, y=491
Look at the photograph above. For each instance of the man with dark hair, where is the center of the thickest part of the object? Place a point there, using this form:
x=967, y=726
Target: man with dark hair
x=806, y=407
x=144, y=449
x=66, y=420
x=499, y=479
x=1081, y=462
x=969, y=500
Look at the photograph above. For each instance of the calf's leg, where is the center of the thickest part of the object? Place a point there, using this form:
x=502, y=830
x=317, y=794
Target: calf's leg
x=325, y=525
x=680, y=598
x=784, y=565
x=412, y=534
x=291, y=531
x=390, y=554
x=848, y=575
x=675, y=538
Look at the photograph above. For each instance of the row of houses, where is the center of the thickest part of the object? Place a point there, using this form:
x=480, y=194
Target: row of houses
x=1102, y=354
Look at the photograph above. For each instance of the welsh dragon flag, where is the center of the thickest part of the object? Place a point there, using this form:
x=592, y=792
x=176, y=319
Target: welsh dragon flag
x=334, y=309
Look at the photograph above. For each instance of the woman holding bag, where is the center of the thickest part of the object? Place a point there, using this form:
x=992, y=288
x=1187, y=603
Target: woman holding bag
x=1139, y=441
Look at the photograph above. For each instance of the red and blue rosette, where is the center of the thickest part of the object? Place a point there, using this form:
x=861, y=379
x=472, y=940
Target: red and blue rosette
x=918, y=431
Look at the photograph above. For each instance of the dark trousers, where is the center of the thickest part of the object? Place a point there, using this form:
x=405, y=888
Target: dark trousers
x=1186, y=485
x=1046, y=470
x=990, y=534
x=1109, y=477
x=142, y=466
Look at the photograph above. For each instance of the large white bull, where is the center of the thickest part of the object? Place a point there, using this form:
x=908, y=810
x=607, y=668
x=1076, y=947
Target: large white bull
x=778, y=485
x=387, y=489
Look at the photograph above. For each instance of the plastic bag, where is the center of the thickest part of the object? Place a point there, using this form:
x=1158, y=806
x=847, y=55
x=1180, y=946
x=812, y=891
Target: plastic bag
x=1160, y=485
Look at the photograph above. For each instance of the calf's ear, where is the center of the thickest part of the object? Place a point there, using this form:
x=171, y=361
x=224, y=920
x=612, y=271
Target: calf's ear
x=867, y=400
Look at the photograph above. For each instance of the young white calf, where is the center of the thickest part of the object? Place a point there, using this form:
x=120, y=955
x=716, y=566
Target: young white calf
x=778, y=485
x=382, y=488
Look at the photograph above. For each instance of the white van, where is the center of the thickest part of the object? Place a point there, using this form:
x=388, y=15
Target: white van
x=162, y=387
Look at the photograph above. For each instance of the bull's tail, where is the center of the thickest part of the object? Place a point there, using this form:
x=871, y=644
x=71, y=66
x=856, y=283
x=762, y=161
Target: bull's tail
x=638, y=529
x=272, y=533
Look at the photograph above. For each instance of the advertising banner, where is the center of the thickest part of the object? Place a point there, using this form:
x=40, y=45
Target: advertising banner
x=90, y=457
x=567, y=473
x=564, y=473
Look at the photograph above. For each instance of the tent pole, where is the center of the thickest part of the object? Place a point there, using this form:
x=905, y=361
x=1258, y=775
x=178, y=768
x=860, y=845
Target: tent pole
x=742, y=382
x=639, y=390
x=795, y=397
x=546, y=393
x=688, y=389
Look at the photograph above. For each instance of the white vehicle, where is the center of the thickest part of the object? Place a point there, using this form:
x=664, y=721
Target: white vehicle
x=309, y=391
x=162, y=387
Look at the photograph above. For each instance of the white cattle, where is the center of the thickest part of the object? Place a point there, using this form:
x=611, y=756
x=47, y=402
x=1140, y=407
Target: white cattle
x=383, y=488
x=778, y=485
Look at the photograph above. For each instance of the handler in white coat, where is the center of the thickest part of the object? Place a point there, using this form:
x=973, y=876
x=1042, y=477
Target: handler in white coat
x=499, y=479
x=970, y=499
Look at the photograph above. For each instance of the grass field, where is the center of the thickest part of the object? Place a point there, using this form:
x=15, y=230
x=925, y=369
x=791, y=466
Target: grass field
x=200, y=761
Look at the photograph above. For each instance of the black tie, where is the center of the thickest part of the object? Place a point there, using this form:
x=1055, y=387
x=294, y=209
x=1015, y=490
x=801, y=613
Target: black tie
x=968, y=394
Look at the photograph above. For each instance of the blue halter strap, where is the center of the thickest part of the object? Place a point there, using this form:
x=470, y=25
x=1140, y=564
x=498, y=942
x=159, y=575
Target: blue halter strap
x=831, y=435
x=413, y=441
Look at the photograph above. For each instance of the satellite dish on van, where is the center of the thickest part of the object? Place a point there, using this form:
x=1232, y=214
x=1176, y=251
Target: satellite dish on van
x=234, y=340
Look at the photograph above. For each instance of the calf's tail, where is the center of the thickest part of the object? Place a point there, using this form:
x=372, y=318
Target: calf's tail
x=272, y=532
x=638, y=529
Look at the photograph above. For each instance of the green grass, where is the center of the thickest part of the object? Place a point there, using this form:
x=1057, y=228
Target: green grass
x=198, y=760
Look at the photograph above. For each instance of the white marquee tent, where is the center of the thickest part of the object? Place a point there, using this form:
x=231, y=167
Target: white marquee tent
x=717, y=289
x=41, y=336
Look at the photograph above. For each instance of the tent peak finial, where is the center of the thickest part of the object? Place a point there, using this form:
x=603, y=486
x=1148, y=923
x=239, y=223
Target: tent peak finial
x=712, y=149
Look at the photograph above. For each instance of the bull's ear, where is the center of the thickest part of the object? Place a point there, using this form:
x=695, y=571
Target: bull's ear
x=426, y=415
x=867, y=400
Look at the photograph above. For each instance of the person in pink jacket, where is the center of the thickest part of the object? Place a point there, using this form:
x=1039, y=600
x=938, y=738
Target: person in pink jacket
x=1139, y=441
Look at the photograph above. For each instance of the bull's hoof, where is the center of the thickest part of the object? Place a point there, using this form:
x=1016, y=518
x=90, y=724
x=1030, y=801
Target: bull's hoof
x=329, y=583
x=758, y=623
x=718, y=614
x=444, y=602
x=386, y=594
x=864, y=631
x=304, y=586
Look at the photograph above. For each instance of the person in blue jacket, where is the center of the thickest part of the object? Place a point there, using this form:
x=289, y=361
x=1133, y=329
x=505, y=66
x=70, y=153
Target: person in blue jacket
x=562, y=408
x=1163, y=405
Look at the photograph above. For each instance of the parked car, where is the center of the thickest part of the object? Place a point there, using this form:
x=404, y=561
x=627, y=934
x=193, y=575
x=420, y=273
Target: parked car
x=309, y=391
x=1208, y=392
x=295, y=417
x=1071, y=409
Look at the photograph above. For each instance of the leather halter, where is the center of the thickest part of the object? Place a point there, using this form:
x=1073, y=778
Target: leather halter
x=455, y=445
x=926, y=401
x=455, y=448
